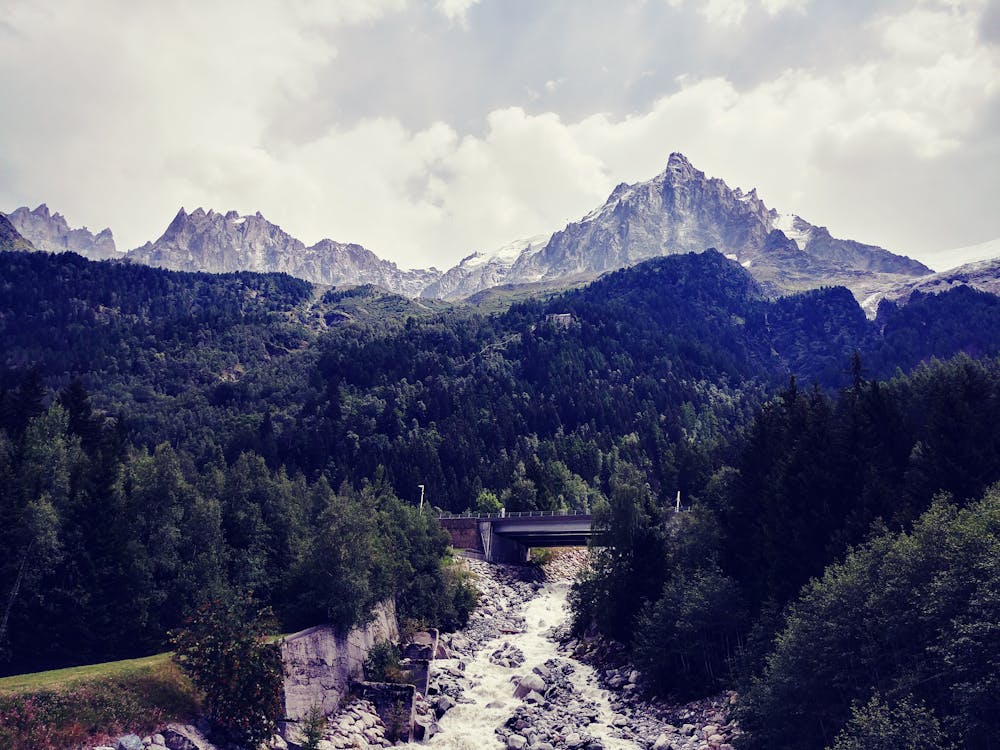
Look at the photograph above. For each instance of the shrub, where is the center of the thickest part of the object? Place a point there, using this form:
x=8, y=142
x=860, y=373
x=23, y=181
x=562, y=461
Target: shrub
x=914, y=613
x=313, y=728
x=905, y=726
x=541, y=556
x=397, y=722
x=225, y=650
x=382, y=663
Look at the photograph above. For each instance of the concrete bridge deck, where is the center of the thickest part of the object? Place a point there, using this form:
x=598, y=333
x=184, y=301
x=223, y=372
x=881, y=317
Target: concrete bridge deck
x=506, y=537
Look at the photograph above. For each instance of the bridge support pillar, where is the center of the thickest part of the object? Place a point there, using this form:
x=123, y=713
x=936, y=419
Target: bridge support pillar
x=500, y=549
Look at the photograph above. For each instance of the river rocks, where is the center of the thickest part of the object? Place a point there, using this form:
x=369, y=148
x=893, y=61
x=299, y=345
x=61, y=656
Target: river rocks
x=358, y=725
x=553, y=713
x=554, y=706
x=566, y=564
x=528, y=683
x=442, y=704
x=185, y=737
x=130, y=742
x=651, y=721
x=507, y=655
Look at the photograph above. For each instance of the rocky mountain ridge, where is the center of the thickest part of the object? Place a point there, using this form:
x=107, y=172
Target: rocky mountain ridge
x=678, y=211
x=51, y=233
x=681, y=210
x=483, y=270
x=983, y=275
x=221, y=243
x=11, y=239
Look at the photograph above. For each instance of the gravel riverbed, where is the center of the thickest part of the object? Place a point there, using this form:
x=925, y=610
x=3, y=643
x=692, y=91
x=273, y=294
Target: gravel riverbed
x=518, y=680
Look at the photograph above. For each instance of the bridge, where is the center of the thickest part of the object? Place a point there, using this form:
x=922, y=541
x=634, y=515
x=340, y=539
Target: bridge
x=506, y=537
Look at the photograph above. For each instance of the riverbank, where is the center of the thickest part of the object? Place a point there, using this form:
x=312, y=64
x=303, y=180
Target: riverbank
x=518, y=680
x=515, y=679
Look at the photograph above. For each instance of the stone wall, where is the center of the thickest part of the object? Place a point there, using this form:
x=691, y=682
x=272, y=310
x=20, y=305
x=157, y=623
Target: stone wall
x=394, y=704
x=465, y=533
x=320, y=665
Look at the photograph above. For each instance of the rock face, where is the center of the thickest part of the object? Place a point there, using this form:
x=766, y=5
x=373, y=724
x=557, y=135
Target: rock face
x=681, y=210
x=320, y=665
x=983, y=275
x=483, y=270
x=222, y=243
x=678, y=211
x=10, y=238
x=51, y=233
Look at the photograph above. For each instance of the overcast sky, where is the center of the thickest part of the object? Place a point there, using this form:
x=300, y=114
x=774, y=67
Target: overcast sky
x=428, y=130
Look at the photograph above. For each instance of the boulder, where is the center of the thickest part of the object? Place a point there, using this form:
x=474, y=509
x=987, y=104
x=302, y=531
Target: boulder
x=516, y=742
x=662, y=743
x=185, y=737
x=442, y=705
x=130, y=742
x=527, y=684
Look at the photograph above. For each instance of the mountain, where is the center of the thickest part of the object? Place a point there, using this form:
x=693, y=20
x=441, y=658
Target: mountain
x=220, y=243
x=681, y=210
x=51, y=233
x=10, y=238
x=678, y=211
x=958, y=256
x=483, y=270
x=983, y=275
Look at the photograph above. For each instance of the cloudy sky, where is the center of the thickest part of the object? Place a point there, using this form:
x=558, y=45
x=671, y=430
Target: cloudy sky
x=428, y=130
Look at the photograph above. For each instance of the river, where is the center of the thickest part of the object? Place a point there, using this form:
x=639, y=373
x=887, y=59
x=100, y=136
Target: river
x=488, y=699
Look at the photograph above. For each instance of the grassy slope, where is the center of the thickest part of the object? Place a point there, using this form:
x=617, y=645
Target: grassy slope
x=61, y=678
x=79, y=705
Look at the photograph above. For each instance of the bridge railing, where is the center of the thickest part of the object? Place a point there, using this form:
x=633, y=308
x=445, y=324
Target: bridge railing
x=517, y=514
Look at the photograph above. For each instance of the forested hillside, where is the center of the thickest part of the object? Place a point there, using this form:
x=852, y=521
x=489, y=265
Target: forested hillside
x=168, y=437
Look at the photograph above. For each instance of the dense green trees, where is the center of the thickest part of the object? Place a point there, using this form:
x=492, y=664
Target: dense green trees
x=908, y=614
x=168, y=439
x=107, y=547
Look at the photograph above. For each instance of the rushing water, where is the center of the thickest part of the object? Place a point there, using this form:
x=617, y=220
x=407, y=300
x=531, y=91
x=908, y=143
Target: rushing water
x=470, y=726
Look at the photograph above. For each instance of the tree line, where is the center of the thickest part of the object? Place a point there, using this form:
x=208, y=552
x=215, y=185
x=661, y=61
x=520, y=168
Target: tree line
x=846, y=557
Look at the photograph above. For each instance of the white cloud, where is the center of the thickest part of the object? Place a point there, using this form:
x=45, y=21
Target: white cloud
x=724, y=12
x=455, y=10
x=774, y=7
x=177, y=105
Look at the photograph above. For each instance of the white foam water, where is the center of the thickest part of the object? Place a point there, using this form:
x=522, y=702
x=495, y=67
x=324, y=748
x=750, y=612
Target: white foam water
x=471, y=726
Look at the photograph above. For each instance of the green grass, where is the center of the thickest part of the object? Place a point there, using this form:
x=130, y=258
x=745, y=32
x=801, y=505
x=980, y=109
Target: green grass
x=78, y=705
x=60, y=678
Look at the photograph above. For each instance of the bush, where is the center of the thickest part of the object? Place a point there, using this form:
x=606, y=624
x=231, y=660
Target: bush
x=541, y=556
x=225, y=651
x=686, y=641
x=904, y=726
x=313, y=728
x=382, y=663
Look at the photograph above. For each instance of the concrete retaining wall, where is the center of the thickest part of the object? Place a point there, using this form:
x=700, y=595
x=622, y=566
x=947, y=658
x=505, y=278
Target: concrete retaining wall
x=320, y=665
